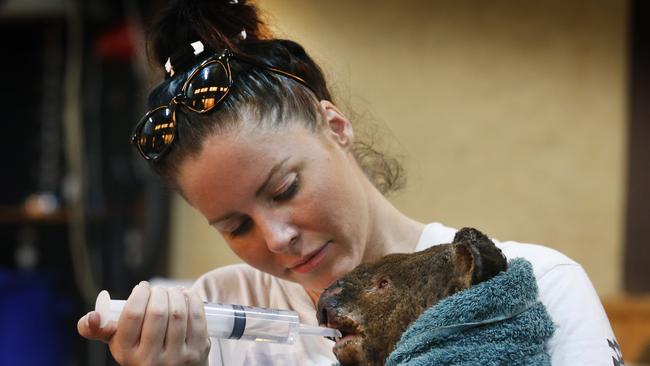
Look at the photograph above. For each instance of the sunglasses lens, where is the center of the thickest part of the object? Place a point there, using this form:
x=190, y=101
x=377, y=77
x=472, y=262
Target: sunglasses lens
x=207, y=87
x=157, y=132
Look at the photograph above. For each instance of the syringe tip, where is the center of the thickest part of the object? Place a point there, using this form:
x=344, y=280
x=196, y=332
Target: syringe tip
x=318, y=331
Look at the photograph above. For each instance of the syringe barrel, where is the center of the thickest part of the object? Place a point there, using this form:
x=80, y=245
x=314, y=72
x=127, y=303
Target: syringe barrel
x=227, y=321
x=251, y=323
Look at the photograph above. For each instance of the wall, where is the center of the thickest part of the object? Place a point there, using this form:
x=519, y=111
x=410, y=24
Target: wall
x=510, y=116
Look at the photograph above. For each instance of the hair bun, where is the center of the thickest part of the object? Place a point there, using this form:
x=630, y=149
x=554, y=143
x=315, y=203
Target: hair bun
x=217, y=23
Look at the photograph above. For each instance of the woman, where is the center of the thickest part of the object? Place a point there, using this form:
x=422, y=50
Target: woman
x=250, y=137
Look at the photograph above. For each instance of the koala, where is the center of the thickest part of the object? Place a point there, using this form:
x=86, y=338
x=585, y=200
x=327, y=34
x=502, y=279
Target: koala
x=376, y=302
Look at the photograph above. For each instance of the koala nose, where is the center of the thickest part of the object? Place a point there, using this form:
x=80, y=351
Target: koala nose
x=328, y=303
x=326, y=310
x=321, y=315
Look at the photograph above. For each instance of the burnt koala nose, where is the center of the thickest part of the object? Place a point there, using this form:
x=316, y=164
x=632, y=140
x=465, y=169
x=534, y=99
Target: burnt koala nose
x=328, y=303
x=322, y=316
x=327, y=309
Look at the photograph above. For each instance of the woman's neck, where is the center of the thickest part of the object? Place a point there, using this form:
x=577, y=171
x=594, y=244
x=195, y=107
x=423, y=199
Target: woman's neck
x=390, y=231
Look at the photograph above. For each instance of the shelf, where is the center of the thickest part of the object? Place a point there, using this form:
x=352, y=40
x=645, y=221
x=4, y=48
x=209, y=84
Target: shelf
x=16, y=214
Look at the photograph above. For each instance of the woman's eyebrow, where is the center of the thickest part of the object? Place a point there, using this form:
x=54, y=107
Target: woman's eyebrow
x=259, y=191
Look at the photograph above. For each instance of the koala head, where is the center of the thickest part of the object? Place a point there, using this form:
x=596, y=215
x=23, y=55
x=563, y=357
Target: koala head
x=375, y=303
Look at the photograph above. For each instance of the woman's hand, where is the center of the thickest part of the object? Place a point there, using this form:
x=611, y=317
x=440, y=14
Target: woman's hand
x=158, y=326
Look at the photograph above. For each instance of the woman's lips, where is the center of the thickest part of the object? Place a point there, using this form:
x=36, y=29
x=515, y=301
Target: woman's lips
x=311, y=260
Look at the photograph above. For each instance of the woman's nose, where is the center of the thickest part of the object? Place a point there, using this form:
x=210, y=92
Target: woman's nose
x=279, y=234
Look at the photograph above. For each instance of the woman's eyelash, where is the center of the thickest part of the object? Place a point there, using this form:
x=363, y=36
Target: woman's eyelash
x=289, y=192
x=242, y=228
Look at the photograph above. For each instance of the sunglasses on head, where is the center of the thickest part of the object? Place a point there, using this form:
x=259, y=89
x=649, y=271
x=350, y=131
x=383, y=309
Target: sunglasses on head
x=207, y=85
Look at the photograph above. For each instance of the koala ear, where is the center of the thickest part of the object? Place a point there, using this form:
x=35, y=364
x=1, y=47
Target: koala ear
x=488, y=260
x=469, y=235
x=464, y=261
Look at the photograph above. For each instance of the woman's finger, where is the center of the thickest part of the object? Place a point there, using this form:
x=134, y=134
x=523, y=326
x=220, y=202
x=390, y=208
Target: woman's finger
x=155, y=321
x=177, y=322
x=197, y=328
x=132, y=317
x=88, y=327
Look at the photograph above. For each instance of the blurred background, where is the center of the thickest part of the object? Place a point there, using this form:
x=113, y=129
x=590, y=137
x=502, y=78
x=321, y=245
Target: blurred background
x=527, y=120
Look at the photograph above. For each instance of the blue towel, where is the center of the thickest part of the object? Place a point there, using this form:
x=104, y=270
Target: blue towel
x=497, y=322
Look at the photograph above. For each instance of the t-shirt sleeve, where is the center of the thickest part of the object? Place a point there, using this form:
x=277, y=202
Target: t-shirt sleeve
x=583, y=335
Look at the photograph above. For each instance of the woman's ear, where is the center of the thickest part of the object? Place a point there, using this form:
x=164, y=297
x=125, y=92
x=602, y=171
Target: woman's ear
x=338, y=126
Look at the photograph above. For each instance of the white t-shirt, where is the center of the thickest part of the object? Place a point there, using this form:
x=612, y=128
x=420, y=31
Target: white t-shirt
x=582, y=336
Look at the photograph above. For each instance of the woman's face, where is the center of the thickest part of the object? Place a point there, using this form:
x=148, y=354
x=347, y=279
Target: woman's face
x=290, y=202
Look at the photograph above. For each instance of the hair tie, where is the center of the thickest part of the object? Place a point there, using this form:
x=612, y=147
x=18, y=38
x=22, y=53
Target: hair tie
x=198, y=47
x=240, y=36
x=181, y=56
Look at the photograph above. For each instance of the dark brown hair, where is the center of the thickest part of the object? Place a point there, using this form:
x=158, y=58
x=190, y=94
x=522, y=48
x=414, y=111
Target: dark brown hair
x=268, y=97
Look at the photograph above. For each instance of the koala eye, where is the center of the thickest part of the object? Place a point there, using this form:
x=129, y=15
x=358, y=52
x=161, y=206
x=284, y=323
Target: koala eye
x=383, y=283
x=379, y=285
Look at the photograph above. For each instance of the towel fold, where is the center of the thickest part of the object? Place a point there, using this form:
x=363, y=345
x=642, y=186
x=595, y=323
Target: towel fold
x=497, y=322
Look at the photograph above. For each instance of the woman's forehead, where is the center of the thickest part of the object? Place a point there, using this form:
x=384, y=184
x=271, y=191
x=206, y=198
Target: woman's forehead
x=234, y=153
x=225, y=174
x=237, y=161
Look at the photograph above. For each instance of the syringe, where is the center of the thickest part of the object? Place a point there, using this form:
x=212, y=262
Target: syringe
x=235, y=321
